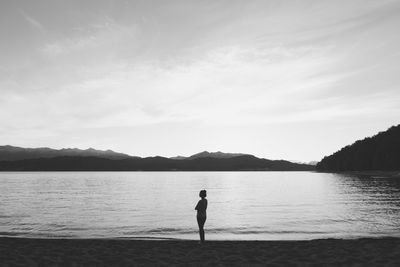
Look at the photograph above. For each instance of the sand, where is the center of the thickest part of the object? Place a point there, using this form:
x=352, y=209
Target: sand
x=104, y=252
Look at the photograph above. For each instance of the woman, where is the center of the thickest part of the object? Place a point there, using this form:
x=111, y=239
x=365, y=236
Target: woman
x=201, y=208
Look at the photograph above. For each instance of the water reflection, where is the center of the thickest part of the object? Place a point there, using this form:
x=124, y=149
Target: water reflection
x=242, y=205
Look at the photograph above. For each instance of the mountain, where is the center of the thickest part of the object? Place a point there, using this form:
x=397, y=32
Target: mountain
x=216, y=155
x=379, y=152
x=74, y=163
x=178, y=157
x=12, y=153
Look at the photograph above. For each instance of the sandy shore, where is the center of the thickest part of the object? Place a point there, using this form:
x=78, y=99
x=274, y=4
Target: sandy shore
x=102, y=252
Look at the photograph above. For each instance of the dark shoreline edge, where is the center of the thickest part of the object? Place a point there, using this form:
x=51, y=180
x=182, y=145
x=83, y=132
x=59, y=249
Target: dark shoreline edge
x=239, y=163
x=105, y=252
x=171, y=239
x=376, y=173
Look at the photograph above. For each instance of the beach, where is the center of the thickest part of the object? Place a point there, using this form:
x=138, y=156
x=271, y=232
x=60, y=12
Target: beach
x=113, y=252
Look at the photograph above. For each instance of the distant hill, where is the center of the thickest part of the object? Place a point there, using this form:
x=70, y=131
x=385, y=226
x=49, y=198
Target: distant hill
x=12, y=153
x=379, y=152
x=178, y=157
x=68, y=163
x=216, y=155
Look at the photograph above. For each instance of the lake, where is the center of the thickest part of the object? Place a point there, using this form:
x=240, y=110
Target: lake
x=242, y=205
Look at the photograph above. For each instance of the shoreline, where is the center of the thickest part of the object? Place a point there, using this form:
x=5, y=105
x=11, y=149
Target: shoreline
x=390, y=174
x=374, y=173
x=123, y=252
x=172, y=239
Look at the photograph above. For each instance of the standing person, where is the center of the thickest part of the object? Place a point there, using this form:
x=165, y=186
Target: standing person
x=201, y=208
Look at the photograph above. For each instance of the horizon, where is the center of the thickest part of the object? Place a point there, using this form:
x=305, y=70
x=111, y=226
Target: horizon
x=278, y=80
x=208, y=151
x=155, y=155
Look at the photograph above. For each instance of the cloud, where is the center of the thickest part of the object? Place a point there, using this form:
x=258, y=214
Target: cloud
x=230, y=86
x=233, y=85
x=101, y=37
x=210, y=66
x=33, y=22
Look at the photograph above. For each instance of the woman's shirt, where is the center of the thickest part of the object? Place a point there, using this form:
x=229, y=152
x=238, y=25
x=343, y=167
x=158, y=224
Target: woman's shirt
x=201, y=208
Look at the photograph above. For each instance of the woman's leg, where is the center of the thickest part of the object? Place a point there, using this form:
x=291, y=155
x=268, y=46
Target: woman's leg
x=201, y=221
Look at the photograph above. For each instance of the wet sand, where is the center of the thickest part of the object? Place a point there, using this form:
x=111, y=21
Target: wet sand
x=105, y=252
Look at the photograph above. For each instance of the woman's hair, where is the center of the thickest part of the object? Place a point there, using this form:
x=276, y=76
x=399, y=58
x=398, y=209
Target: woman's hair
x=203, y=193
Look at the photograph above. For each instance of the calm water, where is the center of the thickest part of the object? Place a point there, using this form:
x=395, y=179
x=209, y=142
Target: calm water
x=242, y=205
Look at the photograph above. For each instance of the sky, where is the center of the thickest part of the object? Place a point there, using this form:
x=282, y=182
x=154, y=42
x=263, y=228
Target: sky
x=293, y=80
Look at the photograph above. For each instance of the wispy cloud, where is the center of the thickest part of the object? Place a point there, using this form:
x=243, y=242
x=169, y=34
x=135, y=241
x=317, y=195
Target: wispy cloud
x=33, y=22
x=104, y=36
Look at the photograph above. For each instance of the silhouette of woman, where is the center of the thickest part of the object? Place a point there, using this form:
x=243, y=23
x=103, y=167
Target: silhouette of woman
x=201, y=208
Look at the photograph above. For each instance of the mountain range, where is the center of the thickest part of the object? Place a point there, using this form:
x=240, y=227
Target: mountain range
x=217, y=155
x=380, y=152
x=12, y=153
x=47, y=159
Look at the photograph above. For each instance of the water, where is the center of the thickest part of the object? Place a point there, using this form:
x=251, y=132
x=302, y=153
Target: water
x=242, y=205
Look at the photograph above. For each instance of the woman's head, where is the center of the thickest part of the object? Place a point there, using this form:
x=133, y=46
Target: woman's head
x=203, y=193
